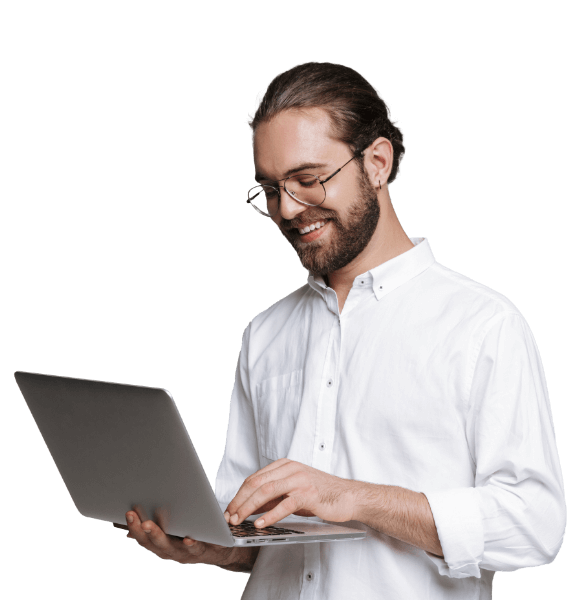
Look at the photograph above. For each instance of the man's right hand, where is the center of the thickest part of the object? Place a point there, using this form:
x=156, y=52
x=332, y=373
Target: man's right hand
x=188, y=551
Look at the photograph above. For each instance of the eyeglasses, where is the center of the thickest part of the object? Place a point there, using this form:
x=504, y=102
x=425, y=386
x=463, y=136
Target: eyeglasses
x=305, y=189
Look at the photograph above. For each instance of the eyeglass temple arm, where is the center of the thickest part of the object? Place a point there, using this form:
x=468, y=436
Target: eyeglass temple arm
x=336, y=172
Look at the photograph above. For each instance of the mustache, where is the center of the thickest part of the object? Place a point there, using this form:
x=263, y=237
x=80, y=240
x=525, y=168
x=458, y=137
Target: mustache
x=310, y=216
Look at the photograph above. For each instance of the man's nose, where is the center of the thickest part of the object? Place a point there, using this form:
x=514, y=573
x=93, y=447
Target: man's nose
x=289, y=207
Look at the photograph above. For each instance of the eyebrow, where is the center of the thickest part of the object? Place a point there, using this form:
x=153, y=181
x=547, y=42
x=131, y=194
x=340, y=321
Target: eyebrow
x=259, y=177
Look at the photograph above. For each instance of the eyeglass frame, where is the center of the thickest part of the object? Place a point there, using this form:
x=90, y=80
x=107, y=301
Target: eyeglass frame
x=278, y=190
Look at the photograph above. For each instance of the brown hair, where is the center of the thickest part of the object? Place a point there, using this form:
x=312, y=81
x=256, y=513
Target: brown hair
x=359, y=116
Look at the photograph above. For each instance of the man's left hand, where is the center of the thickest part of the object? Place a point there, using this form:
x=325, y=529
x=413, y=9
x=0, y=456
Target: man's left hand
x=287, y=487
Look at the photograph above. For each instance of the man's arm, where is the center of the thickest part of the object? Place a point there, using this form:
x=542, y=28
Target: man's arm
x=287, y=487
x=397, y=512
x=244, y=559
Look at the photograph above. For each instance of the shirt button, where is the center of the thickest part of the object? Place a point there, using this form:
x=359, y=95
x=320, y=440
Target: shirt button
x=310, y=576
x=330, y=382
x=322, y=446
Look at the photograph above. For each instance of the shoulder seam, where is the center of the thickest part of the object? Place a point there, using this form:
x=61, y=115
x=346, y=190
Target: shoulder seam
x=474, y=286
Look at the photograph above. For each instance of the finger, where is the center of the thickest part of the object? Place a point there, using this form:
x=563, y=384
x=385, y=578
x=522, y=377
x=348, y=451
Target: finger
x=284, y=469
x=159, y=539
x=135, y=530
x=270, y=490
x=249, y=485
x=286, y=507
x=141, y=534
x=180, y=549
x=236, y=519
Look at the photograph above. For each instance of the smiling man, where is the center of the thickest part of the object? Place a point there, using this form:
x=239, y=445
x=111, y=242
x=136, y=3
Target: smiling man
x=389, y=392
x=334, y=228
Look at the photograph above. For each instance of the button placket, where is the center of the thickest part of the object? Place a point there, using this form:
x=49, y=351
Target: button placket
x=325, y=418
x=311, y=572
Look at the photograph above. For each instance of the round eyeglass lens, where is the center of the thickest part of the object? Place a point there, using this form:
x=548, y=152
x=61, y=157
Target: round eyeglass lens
x=265, y=198
x=306, y=189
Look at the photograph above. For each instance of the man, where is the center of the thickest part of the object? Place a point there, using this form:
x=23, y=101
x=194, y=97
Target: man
x=389, y=392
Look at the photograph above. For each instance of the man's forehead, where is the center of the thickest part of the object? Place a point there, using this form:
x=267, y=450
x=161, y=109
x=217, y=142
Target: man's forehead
x=291, y=140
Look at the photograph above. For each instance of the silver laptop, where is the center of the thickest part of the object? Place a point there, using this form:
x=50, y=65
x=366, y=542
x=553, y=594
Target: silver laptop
x=123, y=447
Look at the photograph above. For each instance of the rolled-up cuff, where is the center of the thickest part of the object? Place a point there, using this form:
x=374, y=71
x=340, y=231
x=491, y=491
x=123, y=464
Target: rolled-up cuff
x=459, y=525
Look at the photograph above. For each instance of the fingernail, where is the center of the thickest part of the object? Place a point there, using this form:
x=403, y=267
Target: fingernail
x=259, y=522
x=234, y=518
x=147, y=530
x=130, y=518
x=226, y=515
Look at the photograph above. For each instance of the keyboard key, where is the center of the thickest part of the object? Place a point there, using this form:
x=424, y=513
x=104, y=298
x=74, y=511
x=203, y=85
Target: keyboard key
x=248, y=529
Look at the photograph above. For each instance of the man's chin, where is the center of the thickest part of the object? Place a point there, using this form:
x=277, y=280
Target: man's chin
x=313, y=266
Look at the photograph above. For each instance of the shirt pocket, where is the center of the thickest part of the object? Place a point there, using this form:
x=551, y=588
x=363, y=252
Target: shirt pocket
x=278, y=407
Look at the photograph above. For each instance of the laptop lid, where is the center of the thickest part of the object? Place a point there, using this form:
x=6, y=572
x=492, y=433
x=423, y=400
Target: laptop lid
x=122, y=447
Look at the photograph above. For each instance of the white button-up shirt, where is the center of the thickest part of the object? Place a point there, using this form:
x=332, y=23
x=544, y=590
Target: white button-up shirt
x=426, y=380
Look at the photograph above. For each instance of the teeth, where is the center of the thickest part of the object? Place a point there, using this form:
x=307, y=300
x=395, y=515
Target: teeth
x=311, y=227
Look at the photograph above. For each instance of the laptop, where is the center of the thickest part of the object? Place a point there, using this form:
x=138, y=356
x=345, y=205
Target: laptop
x=124, y=447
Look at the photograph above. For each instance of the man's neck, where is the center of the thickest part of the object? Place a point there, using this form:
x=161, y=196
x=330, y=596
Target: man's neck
x=389, y=240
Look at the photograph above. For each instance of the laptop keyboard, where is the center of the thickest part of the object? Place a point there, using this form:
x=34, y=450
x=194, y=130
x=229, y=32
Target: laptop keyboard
x=248, y=529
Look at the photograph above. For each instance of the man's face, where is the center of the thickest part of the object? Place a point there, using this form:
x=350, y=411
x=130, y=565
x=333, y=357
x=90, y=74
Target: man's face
x=350, y=212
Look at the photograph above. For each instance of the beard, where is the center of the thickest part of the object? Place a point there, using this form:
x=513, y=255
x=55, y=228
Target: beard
x=352, y=233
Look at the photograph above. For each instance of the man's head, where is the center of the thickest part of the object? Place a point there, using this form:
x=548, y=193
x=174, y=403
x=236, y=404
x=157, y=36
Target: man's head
x=358, y=115
x=314, y=119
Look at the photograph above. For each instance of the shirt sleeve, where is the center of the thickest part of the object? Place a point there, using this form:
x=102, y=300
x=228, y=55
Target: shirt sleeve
x=515, y=514
x=241, y=456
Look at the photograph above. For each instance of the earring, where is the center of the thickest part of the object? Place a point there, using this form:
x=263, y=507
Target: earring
x=380, y=184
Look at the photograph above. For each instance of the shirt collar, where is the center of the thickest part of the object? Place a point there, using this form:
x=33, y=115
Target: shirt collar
x=390, y=275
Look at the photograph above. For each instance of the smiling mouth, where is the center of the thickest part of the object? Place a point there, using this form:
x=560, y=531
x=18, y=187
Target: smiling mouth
x=311, y=227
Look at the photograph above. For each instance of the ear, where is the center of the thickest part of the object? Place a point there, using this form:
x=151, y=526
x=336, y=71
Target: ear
x=378, y=161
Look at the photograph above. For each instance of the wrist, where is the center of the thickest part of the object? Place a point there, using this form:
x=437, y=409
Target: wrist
x=359, y=498
x=240, y=560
